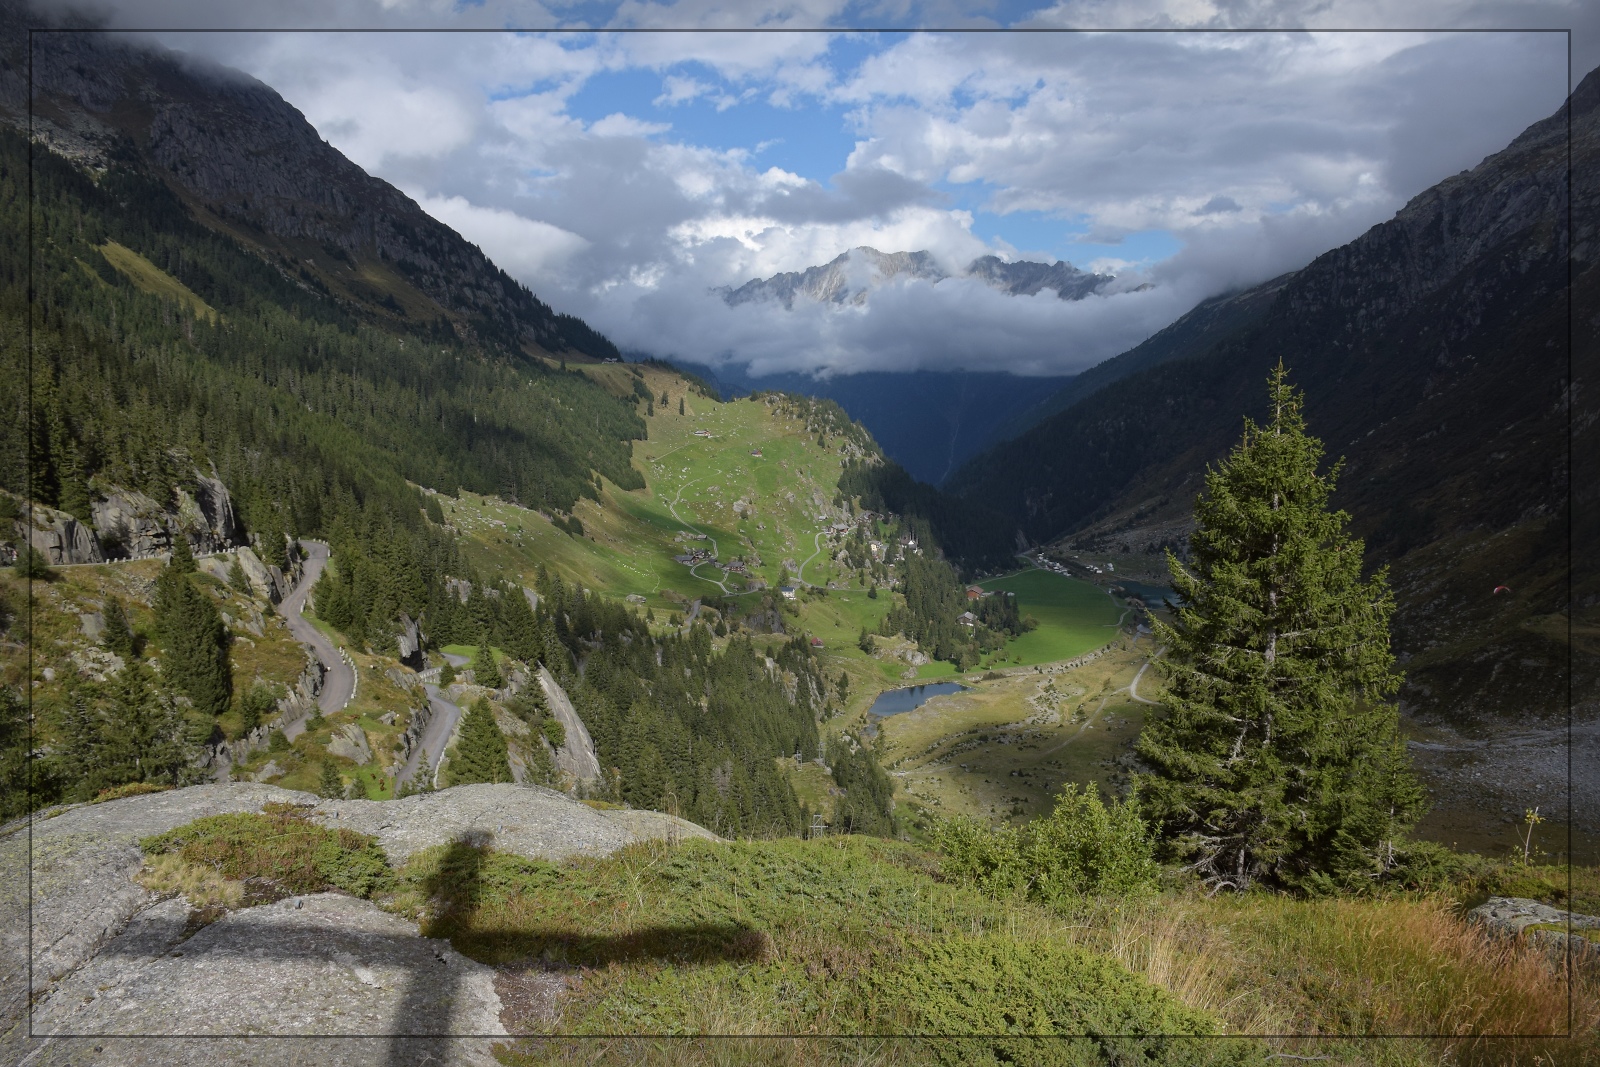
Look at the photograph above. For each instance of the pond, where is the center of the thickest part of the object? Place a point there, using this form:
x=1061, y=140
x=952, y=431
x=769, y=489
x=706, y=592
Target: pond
x=894, y=701
x=1154, y=595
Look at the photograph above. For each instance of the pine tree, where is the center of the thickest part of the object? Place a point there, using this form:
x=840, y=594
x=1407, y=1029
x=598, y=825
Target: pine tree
x=182, y=560
x=485, y=672
x=117, y=634
x=481, y=754
x=330, y=785
x=1278, y=756
x=195, y=641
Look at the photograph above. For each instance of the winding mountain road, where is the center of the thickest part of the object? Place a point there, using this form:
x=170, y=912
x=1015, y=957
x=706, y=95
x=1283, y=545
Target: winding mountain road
x=446, y=714
x=338, y=679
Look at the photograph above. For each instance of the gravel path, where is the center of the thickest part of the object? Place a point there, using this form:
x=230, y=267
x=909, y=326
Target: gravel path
x=339, y=681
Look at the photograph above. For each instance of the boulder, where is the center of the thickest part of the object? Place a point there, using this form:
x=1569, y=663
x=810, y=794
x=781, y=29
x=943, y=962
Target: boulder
x=112, y=961
x=264, y=581
x=1520, y=917
x=350, y=742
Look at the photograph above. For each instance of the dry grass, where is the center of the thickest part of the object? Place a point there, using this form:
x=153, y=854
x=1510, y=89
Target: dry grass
x=1363, y=968
x=169, y=874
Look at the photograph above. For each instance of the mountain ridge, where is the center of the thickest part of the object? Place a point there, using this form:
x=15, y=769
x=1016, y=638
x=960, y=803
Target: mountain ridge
x=849, y=277
x=250, y=165
x=1432, y=350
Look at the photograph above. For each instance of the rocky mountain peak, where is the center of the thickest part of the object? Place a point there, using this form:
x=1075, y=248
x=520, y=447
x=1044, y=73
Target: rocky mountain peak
x=851, y=276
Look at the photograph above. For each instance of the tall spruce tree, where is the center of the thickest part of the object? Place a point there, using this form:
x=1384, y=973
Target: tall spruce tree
x=481, y=754
x=194, y=639
x=1278, y=756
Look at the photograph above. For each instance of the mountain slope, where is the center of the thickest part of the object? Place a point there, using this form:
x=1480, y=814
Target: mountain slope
x=1433, y=351
x=1190, y=336
x=929, y=422
x=248, y=164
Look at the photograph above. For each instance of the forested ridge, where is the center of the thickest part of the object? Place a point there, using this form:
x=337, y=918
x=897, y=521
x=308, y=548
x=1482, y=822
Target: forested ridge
x=292, y=396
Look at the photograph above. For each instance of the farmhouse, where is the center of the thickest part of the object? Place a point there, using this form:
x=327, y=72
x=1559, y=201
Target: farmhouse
x=788, y=592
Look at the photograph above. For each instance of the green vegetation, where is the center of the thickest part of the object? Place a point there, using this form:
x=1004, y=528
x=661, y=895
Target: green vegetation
x=1072, y=617
x=111, y=733
x=281, y=847
x=1081, y=847
x=850, y=935
x=480, y=755
x=192, y=636
x=1278, y=756
x=935, y=598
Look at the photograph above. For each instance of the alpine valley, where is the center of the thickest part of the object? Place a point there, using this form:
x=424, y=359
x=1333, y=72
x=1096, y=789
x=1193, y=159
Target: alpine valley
x=387, y=656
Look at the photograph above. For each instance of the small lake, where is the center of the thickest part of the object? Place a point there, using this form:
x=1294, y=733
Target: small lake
x=894, y=701
x=1154, y=595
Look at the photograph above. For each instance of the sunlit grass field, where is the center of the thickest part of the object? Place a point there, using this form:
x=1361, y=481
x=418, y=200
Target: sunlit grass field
x=1074, y=616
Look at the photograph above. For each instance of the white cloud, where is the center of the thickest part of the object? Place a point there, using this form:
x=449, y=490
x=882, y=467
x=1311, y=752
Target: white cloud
x=523, y=247
x=1256, y=152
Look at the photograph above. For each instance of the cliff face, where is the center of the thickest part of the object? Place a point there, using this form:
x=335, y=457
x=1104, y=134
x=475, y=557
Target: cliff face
x=248, y=163
x=1434, y=352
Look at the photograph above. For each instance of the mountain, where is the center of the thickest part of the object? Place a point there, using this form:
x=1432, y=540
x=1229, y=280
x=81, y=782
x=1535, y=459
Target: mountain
x=851, y=276
x=249, y=165
x=929, y=422
x=1188, y=336
x=1434, y=353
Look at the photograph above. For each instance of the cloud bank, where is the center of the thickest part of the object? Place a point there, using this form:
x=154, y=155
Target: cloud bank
x=624, y=177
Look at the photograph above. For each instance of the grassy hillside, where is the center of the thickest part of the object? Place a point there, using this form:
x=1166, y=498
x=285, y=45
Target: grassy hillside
x=863, y=951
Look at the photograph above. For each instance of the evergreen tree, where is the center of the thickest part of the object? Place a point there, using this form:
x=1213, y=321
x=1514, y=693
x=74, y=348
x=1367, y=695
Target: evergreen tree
x=117, y=634
x=195, y=641
x=481, y=754
x=330, y=785
x=485, y=672
x=32, y=564
x=238, y=579
x=15, y=796
x=1278, y=756
x=182, y=560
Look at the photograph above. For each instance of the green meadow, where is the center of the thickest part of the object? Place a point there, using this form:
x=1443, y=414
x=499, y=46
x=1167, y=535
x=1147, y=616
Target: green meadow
x=1074, y=616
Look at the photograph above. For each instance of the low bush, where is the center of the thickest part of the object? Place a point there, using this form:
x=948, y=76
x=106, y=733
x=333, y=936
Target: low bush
x=281, y=846
x=1082, y=846
x=128, y=789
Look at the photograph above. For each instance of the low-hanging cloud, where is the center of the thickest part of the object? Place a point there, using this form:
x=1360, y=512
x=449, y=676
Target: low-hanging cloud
x=1254, y=152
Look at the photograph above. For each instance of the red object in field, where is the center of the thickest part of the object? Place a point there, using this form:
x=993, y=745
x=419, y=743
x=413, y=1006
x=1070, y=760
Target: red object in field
x=1500, y=589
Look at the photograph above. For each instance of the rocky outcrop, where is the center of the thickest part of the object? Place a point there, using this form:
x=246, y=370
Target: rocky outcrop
x=132, y=525
x=410, y=640
x=1519, y=917
x=350, y=742
x=576, y=756
x=110, y=958
x=59, y=537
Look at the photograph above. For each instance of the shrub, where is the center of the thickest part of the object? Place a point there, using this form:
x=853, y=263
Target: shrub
x=128, y=789
x=1017, y=993
x=281, y=846
x=554, y=732
x=1081, y=847
x=278, y=741
x=32, y=564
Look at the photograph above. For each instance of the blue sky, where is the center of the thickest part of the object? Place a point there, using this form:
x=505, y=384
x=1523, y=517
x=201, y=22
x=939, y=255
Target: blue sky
x=627, y=177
